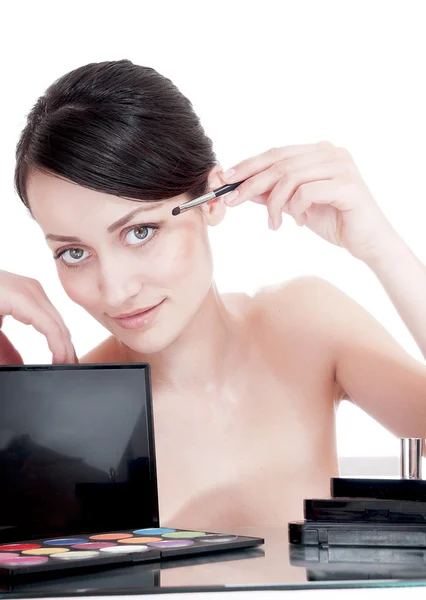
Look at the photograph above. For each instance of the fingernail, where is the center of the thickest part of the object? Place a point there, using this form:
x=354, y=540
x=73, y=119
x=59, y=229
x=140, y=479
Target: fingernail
x=228, y=174
x=231, y=197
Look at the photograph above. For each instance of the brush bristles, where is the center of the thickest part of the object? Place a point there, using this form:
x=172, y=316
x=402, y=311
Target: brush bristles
x=176, y=211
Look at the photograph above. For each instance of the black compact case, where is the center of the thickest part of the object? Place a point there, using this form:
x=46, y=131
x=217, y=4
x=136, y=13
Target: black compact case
x=390, y=489
x=370, y=512
x=355, y=534
x=77, y=458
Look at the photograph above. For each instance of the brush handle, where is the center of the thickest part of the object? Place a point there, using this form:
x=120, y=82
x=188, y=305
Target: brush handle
x=205, y=198
x=227, y=188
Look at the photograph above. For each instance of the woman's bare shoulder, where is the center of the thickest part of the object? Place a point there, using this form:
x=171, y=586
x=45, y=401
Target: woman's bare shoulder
x=305, y=298
x=290, y=323
x=304, y=303
x=107, y=351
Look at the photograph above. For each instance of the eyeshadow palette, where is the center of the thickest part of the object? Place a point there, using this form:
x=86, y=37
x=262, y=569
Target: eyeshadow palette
x=77, y=454
x=113, y=548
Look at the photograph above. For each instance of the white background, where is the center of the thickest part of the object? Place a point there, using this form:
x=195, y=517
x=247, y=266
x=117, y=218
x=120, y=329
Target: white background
x=259, y=74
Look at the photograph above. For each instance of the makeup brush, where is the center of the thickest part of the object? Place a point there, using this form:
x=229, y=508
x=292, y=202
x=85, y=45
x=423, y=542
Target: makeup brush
x=225, y=189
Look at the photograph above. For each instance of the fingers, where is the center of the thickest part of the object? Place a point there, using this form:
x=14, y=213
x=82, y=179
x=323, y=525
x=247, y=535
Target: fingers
x=287, y=187
x=334, y=192
x=26, y=301
x=48, y=306
x=285, y=170
x=75, y=357
x=260, y=162
x=9, y=355
x=318, y=192
x=29, y=313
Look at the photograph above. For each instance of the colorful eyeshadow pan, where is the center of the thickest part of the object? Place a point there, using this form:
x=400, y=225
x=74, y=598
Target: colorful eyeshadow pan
x=45, y=551
x=124, y=549
x=92, y=545
x=65, y=541
x=181, y=535
x=170, y=544
x=24, y=561
x=77, y=555
x=18, y=547
x=139, y=540
x=154, y=531
x=110, y=536
x=8, y=555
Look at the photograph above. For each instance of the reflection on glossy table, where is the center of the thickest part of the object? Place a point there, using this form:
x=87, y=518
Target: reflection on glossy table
x=267, y=565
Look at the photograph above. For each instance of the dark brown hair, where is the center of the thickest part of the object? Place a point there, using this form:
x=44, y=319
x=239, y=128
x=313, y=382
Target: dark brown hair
x=118, y=128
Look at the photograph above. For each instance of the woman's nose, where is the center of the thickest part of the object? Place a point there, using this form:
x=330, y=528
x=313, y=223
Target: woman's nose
x=117, y=287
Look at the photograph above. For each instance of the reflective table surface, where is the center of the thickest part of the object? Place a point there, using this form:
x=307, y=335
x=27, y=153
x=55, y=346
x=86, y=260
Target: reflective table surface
x=275, y=565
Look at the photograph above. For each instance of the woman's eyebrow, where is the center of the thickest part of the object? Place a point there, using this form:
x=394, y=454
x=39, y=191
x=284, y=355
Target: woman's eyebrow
x=116, y=225
x=145, y=207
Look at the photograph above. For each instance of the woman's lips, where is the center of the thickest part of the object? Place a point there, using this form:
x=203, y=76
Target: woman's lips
x=139, y=320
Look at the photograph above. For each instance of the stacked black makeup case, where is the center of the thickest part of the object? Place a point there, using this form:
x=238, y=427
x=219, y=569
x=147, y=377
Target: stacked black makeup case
x=368, y=528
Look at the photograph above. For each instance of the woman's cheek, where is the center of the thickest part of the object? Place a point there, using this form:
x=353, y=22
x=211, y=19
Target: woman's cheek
x=75, y=288
x=177, y=257
x=192, y=271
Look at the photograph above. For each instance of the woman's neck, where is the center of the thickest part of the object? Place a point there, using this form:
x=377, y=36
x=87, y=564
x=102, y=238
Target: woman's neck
x=197, y=358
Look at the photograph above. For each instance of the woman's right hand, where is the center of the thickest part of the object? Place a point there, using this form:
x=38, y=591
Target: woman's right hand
x=25, y=300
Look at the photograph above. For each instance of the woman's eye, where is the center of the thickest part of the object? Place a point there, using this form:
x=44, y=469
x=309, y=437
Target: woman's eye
x=74, y=255
x=135, y=236
x=138, y=234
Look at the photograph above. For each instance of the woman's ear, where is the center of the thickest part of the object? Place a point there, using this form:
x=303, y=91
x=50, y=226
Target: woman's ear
x=214, y=180
x=214, y=210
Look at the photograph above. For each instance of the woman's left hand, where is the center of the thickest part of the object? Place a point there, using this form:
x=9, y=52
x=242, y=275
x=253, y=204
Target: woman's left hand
x=318, y=185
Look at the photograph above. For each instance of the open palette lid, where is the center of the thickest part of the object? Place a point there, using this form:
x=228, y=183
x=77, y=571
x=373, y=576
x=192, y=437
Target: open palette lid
x=76, y=450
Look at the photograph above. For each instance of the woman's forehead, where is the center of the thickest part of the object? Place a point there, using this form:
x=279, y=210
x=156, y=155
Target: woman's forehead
x=54, y=200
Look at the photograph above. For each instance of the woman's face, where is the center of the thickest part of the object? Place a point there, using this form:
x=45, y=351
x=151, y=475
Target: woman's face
x=117, y=256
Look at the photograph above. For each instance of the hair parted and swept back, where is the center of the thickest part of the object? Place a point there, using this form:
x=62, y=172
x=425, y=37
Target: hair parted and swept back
x=117, y=128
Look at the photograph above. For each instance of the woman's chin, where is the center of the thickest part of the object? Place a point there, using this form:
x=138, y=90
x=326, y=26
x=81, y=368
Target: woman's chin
x=144, y=344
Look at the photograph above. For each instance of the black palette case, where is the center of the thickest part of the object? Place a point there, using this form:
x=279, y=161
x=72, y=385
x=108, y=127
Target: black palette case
x=365, y=510
x=404, y=535
x=77, y=459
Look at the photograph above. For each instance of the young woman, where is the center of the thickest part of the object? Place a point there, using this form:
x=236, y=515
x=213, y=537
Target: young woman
x=245, y=388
